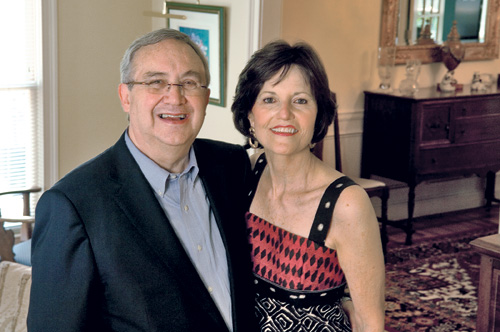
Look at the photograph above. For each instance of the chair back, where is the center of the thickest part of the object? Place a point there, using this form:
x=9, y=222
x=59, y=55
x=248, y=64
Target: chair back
x=25, y=219
x=318, y=150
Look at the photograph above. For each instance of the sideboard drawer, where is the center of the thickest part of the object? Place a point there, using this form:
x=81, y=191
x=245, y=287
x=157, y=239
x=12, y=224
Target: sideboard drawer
x=455, y=157
x=478, y=106
x=476, y=129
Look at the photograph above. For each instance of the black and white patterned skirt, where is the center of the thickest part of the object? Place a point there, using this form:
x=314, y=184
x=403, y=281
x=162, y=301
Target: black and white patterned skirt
x=278, y=316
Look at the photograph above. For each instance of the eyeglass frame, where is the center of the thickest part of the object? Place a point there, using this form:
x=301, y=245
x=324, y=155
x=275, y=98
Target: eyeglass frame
x=167, y=85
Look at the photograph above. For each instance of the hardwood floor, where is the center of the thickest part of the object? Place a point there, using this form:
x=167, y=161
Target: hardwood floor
x=441, y=225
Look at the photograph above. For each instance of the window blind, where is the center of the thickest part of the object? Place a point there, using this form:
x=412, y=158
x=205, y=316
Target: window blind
x=21, y=114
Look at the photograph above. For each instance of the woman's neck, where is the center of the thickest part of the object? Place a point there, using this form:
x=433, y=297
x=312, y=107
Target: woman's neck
x=290, y=172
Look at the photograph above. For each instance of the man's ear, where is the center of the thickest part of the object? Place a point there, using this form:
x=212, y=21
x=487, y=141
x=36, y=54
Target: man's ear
x=208, y=96
x=124, y=94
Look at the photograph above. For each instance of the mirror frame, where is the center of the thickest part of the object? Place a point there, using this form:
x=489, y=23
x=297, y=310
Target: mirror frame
x=487, y=50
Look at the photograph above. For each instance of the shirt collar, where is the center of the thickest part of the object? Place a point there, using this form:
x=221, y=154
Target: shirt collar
x=156, y=175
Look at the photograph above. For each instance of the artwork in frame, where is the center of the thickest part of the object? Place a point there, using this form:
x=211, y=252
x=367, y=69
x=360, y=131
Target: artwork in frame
x=205, y=26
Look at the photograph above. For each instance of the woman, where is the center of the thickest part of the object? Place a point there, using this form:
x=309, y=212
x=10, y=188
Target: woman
x=312, y=230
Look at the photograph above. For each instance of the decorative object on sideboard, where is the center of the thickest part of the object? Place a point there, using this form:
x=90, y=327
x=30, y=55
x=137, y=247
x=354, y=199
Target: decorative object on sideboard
x=447, y=83
x=477, y=84
x=409, y=86
x=487, y=79
x=385, y=65
x=452, y=53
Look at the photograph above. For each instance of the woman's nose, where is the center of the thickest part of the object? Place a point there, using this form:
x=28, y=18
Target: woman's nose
x=285, y=112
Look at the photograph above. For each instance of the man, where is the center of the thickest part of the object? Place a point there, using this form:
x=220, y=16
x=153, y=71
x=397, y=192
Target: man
x=149, y=235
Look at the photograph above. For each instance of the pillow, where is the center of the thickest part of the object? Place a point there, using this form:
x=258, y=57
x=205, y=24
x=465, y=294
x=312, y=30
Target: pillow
x=15, y=286
x=22, y=252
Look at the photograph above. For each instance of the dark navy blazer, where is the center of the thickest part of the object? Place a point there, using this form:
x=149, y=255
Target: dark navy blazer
x=105, y=257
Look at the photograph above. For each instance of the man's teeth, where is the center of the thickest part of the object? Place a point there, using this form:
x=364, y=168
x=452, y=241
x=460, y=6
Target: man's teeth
x=170, y=116
x=287, y=130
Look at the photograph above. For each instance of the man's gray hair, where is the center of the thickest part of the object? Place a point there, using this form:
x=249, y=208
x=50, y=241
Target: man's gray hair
x=151, y=38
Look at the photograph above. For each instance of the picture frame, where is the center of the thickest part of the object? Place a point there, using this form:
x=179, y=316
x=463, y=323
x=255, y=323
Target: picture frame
x=205, y=25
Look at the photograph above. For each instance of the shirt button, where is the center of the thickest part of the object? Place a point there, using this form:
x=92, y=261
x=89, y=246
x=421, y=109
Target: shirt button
x=186, y=208
x=210, y=289
x=199, y=248
x=173, y=176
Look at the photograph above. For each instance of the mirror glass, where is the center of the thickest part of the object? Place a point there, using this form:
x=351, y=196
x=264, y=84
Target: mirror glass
x=419, y=27
x=439, y=15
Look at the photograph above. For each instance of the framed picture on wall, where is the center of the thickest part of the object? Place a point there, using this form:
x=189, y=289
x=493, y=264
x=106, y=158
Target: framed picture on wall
x=205, y=26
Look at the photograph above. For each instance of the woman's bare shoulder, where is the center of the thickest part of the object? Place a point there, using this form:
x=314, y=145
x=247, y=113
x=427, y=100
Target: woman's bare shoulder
x=353, y=214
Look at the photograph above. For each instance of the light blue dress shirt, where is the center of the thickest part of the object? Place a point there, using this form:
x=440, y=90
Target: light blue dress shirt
x=187, y=207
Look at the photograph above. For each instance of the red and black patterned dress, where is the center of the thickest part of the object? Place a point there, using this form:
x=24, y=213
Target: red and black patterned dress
x=299, y=282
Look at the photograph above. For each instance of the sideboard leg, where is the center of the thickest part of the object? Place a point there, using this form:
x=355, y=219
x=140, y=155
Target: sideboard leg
x=409, y=222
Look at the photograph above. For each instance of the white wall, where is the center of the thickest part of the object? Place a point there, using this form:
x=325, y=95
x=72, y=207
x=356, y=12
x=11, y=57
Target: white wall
x=92, y=37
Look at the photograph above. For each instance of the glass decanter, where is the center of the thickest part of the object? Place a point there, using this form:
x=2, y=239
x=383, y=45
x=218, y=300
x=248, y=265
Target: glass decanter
x=409, y=86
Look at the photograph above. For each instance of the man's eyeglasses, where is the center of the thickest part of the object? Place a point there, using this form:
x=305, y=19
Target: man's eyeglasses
x=189, y=87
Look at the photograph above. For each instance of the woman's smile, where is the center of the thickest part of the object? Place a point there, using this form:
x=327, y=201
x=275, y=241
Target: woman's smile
x=284, y=130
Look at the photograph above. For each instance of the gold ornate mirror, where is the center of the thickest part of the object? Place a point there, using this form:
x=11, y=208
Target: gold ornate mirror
x=394, y=12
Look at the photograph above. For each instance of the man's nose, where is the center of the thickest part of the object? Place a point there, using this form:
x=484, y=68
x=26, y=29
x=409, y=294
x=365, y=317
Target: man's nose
x=173, y=93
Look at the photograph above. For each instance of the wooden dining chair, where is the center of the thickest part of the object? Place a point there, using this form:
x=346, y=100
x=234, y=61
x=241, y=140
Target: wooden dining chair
x=373, y=188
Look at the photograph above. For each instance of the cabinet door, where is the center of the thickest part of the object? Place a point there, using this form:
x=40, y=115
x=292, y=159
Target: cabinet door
x=435, y=124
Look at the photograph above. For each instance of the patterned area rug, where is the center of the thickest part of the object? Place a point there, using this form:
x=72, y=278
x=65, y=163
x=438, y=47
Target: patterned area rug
x=432, y=286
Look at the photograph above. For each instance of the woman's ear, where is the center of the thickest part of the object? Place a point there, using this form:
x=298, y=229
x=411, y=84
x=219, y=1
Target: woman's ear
x=251, y=119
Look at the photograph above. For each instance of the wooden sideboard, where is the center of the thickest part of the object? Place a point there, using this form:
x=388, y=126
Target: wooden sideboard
x=488, y=309
x=431, y=135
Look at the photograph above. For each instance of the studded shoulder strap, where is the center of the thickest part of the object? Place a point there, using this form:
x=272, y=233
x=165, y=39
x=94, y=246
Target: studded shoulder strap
x=323, y=217
x=256, y=173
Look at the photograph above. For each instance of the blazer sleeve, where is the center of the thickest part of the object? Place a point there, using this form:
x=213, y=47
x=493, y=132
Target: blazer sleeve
x=64, y=283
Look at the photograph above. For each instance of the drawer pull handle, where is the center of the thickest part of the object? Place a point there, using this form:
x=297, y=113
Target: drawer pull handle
x=434, y=161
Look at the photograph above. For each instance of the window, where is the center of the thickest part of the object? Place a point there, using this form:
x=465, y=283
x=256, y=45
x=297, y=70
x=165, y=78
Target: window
x=429, y=12
x=21, y=100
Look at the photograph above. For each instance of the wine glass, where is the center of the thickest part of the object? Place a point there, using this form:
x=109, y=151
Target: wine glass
x=385, y=65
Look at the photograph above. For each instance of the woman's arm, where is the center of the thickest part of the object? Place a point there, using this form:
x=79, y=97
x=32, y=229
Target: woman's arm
x=355, y=235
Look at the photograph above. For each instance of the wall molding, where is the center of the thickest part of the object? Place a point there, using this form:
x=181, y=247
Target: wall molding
x=50, y=92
